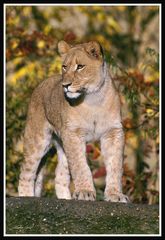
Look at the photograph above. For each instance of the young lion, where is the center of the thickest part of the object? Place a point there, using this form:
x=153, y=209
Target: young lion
x=70, y=110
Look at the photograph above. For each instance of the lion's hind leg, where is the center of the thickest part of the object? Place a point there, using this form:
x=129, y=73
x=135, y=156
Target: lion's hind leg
x=35, y=147
x=62, y=175
x=37, y=141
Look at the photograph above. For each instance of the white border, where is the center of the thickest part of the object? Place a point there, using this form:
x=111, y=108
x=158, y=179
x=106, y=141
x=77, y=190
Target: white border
x=4, y=148
x=4, y=118
x=82, y=4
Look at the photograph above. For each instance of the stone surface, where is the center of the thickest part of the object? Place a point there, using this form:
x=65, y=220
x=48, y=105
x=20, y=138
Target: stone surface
x=52, y=216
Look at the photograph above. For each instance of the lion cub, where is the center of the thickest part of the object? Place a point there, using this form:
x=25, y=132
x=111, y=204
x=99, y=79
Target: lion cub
x=69, y=110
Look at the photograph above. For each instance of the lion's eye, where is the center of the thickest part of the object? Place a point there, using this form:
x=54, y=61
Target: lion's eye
x=64, y=67
x=79, y=66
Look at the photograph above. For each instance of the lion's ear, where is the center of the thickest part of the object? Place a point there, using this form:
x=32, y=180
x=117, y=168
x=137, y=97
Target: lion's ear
x=63, y=47
x=94, y=49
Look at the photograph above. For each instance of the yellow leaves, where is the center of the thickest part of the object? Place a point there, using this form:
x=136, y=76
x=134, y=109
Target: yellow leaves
x=14, y=44
x=101, y=16
x=121, y=8
x=22, y=72
x=153, y=8
x=150, y=112
x=96, y=153
x=54, y=159
x=47, y=29
x=11, y=18
x=10, y=175
x=150, y=66
x=26, y=11
x=31, y=70
x=100, y=39
x=155, y=101
x=39, y=70
x=151, y=76
x=55, y=66
x=19, y=74
x=131, y=139
x=97, y=8
x=103, y=42
x=114, y=24
x=49, y=185
x=19, y=146
x=41, y=44
x=16, y=20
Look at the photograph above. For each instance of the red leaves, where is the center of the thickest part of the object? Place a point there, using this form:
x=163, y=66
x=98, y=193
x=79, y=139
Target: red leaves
x=101, y=172
x=25, y=44
x=127, y=123
x=93, y=150
x=94, y=153
x=137, y=75
x=89, y=148
x=69, y=36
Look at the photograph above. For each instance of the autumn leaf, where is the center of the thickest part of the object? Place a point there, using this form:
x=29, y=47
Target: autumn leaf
x=100, y=172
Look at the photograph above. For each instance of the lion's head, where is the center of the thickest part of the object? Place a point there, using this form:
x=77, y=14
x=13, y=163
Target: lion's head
x=82, y=68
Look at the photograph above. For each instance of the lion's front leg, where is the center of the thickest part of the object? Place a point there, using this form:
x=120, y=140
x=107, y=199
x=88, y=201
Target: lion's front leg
x=112, y=145
x=74, y=147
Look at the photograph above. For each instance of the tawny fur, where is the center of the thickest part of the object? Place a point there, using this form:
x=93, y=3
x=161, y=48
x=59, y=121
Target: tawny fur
x=78, y=106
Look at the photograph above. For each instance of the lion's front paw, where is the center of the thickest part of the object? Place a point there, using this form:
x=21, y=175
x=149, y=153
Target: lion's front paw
x=84, y=195
x=117, y=197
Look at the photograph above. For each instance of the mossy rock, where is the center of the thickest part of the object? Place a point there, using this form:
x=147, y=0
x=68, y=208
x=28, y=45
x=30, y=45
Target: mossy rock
x=51, y=216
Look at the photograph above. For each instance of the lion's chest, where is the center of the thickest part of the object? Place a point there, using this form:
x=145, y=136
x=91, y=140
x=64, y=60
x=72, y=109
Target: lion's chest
x=94, y=131
x=96, y=126
x=91, y=123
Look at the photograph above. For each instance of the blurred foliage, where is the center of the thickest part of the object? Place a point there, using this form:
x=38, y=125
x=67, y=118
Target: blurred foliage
x=32, y=33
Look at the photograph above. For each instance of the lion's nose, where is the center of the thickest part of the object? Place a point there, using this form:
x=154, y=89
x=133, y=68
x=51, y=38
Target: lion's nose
x=66, y=85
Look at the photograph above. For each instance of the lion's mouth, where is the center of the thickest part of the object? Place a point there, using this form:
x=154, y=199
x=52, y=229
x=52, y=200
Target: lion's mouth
x=73, y=95
x=74, y=98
